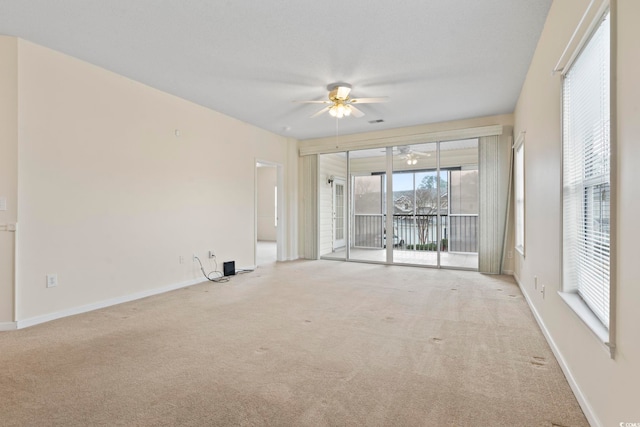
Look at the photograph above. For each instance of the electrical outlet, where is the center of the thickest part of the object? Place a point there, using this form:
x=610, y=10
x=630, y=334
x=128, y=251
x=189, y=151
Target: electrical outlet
x=212, y=254
x=542, y=291
x=52, y=280
x=194, y=257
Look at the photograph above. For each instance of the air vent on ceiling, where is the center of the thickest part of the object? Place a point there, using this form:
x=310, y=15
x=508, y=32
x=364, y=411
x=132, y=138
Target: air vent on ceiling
x=376, y=121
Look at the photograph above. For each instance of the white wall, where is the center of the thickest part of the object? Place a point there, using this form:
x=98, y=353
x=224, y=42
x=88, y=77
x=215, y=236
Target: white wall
x=8, y=172
x=109, y=198
x=607, y=389
x=267, y=181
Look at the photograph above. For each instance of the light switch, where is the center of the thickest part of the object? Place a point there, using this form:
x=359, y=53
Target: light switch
x=52, y=280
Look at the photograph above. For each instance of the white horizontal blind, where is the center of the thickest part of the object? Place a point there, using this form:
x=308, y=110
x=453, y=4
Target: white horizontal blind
x=519, y=194
x=586, y=174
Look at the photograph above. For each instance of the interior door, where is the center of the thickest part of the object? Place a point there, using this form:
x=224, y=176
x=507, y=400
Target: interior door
x=339, y=213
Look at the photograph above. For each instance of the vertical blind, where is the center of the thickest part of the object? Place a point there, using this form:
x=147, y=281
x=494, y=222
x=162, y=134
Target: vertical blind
x=310, y=212
x=586, y=174
x=494, y=160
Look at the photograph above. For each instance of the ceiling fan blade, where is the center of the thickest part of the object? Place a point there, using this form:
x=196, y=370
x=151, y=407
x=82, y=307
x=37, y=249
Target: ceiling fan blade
x=355, y=112
x=369, y=100
x=312, y=102
x=324, y=110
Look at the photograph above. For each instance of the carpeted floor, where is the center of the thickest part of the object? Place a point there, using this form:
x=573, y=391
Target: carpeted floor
x=305, y=343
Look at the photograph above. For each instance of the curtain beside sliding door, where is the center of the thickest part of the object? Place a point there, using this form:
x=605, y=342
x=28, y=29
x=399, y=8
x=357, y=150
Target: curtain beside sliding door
x=310, y=203
x=494, y=165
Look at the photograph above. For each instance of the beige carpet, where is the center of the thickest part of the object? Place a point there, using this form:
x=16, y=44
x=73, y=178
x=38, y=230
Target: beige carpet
x=306, y=343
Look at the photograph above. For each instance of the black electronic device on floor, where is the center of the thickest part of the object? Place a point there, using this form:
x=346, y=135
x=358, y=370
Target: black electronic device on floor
x=229, y=268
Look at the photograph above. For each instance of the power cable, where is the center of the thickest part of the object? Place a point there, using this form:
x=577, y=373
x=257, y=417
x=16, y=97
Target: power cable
x=218, y=279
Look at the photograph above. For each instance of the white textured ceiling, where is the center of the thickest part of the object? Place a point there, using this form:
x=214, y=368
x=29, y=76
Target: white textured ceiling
x=437, y=60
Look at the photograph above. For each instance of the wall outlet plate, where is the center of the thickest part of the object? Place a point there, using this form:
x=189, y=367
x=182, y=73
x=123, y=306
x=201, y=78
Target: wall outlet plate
x=52, y=280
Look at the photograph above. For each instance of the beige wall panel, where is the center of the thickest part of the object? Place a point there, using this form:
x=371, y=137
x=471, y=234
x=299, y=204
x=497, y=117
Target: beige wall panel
x=110, y=197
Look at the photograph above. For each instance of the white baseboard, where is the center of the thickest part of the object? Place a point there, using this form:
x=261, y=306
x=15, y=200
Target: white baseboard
x=509, y=272
x=8, y=326
x=102, y=304
x=582, y=400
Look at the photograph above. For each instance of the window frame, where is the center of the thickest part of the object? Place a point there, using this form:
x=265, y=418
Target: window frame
x=569, y=292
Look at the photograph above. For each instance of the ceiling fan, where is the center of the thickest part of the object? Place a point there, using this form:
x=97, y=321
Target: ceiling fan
x=340, y=104
x=410, y=155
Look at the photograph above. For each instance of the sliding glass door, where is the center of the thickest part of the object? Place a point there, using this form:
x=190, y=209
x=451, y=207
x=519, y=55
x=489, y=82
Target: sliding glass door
x=417, y=199
x=333, y=205
x=459, y=163
x=367, y=169
x=412, y=204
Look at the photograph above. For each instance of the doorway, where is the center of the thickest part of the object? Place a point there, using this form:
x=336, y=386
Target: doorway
x=268, y=213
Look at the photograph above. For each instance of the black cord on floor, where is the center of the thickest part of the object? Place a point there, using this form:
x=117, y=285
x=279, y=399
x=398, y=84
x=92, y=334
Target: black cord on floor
x=218, y=279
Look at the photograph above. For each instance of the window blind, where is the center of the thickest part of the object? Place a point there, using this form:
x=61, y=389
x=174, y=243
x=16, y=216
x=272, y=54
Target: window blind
x=586, y=174
x=519, y=195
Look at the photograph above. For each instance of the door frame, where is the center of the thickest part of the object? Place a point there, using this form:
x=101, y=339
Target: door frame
x=335, y=243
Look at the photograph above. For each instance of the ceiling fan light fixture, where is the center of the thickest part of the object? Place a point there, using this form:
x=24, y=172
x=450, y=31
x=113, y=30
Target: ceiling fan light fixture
x=339, y=110
x=340, y=104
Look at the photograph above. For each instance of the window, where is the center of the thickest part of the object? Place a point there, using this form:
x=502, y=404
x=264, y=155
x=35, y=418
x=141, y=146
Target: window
x=587, y=174
x=519, y=191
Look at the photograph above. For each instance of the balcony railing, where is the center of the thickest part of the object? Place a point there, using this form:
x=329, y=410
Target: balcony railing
x=368, y=231
x=458, y=233
x=463, y=233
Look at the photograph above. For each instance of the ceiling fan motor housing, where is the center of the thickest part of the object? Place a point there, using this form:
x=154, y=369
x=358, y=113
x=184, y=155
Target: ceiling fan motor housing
x=339, y=91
